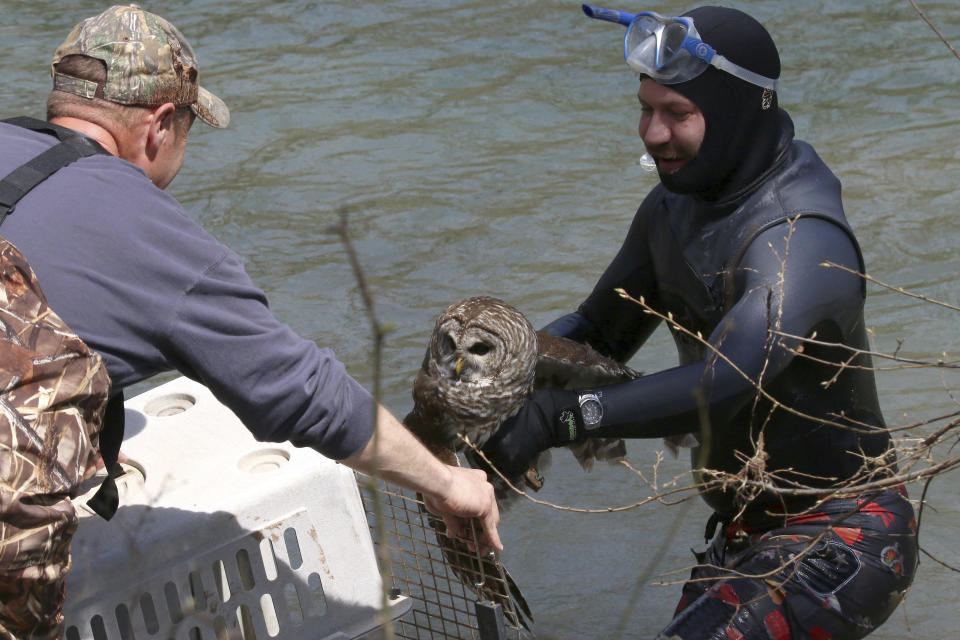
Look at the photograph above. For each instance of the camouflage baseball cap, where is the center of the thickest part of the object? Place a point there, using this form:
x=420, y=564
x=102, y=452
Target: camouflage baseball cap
x=149, y=62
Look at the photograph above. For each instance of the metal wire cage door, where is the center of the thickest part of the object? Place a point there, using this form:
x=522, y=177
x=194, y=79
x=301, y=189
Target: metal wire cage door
x=422, y=568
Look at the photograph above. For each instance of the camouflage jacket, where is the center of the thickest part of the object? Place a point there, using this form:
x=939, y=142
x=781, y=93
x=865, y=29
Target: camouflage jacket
x=53, y=390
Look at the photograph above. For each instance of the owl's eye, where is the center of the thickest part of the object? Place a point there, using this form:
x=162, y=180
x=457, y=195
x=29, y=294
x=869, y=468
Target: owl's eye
x=479, y=349
x=447, y=345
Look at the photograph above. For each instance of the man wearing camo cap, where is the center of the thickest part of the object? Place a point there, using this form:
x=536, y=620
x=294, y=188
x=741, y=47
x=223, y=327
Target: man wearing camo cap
x=150, y=291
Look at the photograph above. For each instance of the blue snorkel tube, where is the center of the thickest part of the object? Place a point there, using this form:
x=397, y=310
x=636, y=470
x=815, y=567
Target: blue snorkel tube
x=610, y=15
x=647, y=163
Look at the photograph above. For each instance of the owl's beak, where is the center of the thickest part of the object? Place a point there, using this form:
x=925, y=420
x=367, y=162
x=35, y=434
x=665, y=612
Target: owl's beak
x=459, y=366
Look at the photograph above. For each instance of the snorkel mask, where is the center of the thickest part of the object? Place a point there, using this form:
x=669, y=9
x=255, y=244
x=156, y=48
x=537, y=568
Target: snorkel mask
x=669, y=50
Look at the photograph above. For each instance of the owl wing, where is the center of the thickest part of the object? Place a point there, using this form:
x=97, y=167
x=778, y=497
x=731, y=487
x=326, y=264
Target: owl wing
x=432, y=438
x=428, y=420
x=565, y=364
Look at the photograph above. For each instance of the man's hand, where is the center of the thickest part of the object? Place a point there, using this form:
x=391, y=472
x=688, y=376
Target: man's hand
x=468, y=496
x=456, y=494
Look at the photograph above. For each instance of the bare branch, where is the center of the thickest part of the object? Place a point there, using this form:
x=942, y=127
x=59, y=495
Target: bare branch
x=383, y=553
x=868, y=278
x=935, y=30
x=908, y=362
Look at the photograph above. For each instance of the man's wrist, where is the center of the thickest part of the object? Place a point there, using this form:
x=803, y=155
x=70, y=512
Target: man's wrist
x=438, y=480
x=580, y=413
x=591, y=409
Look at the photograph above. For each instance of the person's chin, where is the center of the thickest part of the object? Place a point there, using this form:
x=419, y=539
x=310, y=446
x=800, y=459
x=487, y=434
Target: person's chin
x=669, y=167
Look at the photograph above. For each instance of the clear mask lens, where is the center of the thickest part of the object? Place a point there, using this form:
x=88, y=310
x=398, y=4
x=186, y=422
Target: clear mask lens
x=641, y=29
x=671, y=42
x=654, y=47
x=682, y=66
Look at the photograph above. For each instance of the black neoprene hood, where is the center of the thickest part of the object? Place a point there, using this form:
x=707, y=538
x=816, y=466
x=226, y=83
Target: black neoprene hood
x=742, y=120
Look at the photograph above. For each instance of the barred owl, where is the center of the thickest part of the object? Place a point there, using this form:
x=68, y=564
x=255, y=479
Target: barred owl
x=478, y=368
x=483, y=359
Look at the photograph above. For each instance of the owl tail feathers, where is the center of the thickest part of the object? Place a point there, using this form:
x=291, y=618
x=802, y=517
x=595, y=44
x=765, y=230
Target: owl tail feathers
x=515, y=606
x=484, y=575
x=603, y=449
x=522, y=614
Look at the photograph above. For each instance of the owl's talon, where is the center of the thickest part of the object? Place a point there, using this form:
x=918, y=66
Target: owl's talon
x=533, y=479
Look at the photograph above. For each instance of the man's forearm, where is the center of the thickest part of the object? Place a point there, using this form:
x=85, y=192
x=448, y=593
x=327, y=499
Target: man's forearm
x=457, y=494
x=398, y=457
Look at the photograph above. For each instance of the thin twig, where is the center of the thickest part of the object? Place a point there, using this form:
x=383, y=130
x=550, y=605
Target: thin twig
x=654, y=498
x=383, y=553
x=891, y=287
x=935, y=30
x=911, y=363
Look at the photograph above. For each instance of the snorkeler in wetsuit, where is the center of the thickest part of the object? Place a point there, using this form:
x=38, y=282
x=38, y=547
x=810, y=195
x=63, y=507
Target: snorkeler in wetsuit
x=730, y=249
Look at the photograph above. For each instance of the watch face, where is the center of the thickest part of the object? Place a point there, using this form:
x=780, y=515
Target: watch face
x=591, y=410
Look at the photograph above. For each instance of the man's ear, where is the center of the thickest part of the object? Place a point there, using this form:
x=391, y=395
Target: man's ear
x=160, y=128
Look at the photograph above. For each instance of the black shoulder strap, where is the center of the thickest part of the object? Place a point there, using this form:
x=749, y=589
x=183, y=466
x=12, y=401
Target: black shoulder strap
x=107, y=498
x=15, y=185
x=20, y=181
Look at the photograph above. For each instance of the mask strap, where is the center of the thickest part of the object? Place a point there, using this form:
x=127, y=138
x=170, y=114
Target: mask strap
x=744, y=74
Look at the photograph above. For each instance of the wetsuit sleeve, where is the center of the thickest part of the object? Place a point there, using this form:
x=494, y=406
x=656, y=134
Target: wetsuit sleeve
x=613, y=326
x=782, y=287
x=282, y=387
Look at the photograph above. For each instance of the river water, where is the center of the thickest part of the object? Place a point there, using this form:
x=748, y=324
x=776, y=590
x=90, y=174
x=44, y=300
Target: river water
x=482, y=147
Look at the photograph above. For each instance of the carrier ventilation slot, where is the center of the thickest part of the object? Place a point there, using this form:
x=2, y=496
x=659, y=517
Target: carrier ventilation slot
x=249, y=589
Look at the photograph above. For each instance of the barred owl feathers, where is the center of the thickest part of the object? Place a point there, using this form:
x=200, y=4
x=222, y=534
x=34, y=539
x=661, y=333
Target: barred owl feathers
x=483, y=359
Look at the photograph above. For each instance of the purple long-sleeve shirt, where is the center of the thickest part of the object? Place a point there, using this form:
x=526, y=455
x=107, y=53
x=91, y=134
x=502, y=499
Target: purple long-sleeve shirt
x=151, y=290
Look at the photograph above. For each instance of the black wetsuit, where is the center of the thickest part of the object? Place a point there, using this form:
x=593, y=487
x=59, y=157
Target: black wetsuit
x=746, y=272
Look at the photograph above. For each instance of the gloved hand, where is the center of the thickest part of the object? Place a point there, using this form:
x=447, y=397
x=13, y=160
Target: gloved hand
x=549, y=418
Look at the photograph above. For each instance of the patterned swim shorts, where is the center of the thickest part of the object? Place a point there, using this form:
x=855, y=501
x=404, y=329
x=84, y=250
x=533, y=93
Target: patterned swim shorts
x=834, y=573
